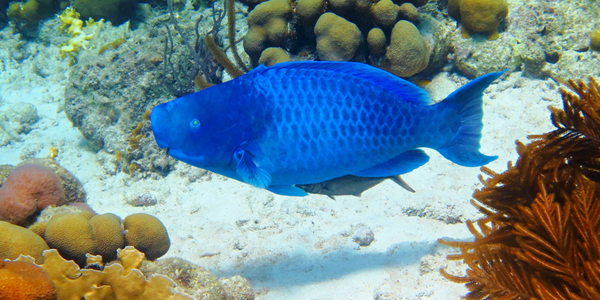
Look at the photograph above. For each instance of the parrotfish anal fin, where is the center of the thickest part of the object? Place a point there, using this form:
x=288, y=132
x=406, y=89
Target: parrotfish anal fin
x=404, y=89
x=287, y=190
x=249, y=172
x=463, y=148
x=401, y=164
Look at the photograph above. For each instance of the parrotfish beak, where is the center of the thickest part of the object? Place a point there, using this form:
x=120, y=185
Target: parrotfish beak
x=160, y=121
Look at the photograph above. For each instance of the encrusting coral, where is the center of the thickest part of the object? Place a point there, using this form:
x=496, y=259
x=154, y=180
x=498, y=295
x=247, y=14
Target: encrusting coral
x=23, y=280
x=539, y=239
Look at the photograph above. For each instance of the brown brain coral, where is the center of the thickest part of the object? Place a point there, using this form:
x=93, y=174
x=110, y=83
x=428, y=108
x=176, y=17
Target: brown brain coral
x=72, y=235
x=16, y=240
x=147, y=234
x=108, y=233
x=28, y=189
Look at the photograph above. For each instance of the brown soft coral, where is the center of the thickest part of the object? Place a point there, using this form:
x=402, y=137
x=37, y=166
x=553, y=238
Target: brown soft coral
x=28, y=189
x=539, y=239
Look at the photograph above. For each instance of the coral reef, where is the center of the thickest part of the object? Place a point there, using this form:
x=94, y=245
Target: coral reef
x=538, y=239
x=32, y=11
x=482, y=16
x=16, y=240
x=595, y=39
x=273, y=55
x=147, y=234
x=337, y=38
x=75, y=233
x=193, y=280
x=309, y=11
x=115, y=11
x=23, y=280
x=121, y=280
x=28, y=189
x=267, y=27
x=407, y=53
x=18, y=119
x=71, y=186
x=376, y=40
x=546, y=39
x=334, y=30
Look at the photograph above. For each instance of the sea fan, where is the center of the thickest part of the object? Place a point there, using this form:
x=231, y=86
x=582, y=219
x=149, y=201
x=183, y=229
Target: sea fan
x=540, y=237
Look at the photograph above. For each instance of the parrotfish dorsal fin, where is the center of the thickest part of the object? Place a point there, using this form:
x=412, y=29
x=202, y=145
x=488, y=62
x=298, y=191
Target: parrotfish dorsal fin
x=407, y=91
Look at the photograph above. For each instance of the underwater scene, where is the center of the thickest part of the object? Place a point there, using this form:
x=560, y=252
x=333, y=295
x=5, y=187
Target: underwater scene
x=299, y=149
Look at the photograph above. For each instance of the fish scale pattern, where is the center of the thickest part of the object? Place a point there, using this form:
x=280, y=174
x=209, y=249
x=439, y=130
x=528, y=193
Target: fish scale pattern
x=325, y=120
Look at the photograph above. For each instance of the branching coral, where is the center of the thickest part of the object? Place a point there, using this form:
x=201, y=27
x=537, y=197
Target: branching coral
x=539, y=239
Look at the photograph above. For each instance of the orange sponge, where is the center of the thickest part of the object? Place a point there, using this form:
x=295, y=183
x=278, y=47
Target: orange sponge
x=20, y=280
x=28, y=189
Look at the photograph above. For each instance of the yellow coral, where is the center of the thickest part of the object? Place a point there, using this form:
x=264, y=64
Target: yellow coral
x=117, y=281
x=79, y=39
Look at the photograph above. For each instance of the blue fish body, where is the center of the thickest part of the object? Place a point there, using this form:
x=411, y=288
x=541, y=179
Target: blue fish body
x=308, y=122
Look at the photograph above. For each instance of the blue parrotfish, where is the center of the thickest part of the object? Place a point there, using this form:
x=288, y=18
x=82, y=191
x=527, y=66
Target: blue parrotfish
x=298, y=123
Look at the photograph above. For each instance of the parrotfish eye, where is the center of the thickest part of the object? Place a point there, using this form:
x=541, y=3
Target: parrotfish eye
x=195, y=124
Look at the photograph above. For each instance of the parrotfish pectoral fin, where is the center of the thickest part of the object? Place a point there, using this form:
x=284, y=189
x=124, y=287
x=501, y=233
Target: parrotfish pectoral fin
x=463, y=148
x=401, y=164
x=287, y=190
x=249, y=172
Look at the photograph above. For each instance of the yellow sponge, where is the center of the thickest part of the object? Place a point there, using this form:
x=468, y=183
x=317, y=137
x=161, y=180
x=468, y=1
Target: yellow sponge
x=79, y=39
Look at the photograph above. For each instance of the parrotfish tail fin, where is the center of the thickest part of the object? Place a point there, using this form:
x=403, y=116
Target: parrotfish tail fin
x=463, y=148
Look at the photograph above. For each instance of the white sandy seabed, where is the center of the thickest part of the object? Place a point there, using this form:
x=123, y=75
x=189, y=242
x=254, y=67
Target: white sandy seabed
x=297, y=248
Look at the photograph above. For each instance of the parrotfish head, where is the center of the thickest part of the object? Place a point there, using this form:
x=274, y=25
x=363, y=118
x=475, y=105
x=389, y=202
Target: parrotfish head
x=198, y=130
